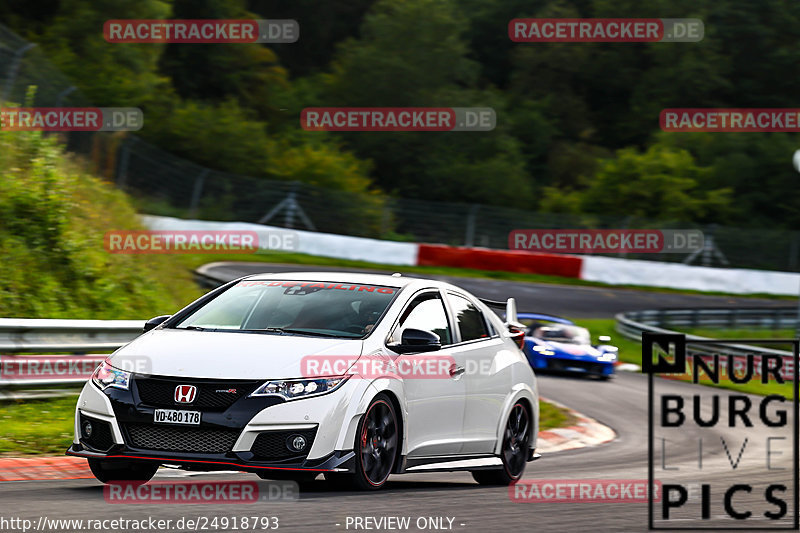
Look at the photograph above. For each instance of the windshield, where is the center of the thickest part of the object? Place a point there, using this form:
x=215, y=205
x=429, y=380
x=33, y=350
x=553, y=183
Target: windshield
x=295, y=308
x=561, y=333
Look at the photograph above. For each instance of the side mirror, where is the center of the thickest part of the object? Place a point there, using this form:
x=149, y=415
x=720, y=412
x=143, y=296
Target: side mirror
x=417, y=341
x=156, y=321
x=604, y=338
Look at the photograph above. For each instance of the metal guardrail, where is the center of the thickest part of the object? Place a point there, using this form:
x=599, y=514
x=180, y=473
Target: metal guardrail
x=34, y=335
x=91, y=339
x=755, y=318
x=60, y=346
x=633, y=323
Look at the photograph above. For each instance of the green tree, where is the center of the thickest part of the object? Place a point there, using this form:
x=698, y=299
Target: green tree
x=431, y=69
x=661, y=183
x=213, y=72
x=108, y=74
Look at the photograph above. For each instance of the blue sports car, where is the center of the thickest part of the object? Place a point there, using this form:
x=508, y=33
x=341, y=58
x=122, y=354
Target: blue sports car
x=556, y=344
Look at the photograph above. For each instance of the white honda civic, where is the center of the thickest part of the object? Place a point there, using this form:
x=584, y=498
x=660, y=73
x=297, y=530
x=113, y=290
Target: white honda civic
x=355, y=376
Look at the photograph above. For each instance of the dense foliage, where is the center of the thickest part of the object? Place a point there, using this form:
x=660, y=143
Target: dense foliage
x=51, y=236
x=577, y=123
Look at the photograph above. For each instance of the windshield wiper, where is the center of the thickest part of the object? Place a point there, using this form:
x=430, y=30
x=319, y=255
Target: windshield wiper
x=292, y=331
x=305, y=332
x=195, y=328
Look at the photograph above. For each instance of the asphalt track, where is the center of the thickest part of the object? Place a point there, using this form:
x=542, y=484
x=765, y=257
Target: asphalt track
x=620, y=403
x=568, y=300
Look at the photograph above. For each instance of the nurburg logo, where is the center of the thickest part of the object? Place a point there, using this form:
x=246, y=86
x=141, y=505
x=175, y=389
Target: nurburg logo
x=185, y=393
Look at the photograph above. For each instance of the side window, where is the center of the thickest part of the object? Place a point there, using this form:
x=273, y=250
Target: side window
x=424, y=312
x=470, y=320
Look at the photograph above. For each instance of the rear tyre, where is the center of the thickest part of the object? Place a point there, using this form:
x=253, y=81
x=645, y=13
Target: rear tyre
x=514, y=451
x=115, y=471
x=377, y=442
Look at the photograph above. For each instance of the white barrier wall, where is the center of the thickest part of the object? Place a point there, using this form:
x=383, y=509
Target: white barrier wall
x=308, y=242
x=611, y=270
x=617, y=271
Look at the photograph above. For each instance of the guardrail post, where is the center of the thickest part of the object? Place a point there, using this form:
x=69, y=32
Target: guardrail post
x=197, y=191
x=469, y=238
x=13, y=69
x=122, y=165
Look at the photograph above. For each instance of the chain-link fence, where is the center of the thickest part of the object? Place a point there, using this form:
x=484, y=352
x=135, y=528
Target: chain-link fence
x=162, y=183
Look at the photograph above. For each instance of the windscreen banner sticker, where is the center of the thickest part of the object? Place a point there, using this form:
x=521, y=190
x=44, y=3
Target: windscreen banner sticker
x=319, y=285
x=728, y=418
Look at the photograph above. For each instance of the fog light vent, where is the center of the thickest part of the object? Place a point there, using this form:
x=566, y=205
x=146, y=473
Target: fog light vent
x=297, y=443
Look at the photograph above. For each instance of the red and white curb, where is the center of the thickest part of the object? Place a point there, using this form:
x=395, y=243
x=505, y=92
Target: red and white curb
x=585, y=432
x=43, y=468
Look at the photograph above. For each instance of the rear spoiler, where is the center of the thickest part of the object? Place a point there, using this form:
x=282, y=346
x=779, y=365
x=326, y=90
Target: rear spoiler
x=510, y=306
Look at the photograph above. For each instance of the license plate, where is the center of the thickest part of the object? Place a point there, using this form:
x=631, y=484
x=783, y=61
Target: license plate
x=174, y=416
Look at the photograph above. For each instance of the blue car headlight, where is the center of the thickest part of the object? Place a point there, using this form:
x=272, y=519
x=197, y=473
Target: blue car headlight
x=607, y=356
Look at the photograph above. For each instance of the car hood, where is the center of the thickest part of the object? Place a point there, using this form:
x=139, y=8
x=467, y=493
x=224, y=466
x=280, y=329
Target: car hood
x=576, y=350
x=225, y=355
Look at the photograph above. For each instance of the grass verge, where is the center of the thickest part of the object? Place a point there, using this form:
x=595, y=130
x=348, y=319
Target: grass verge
x=37, y=427
x=553, y=416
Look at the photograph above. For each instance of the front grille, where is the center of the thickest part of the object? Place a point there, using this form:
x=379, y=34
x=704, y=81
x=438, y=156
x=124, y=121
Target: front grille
x=211, y=395
x=560, y=364
x=174, y=439
x=100, y=439
x=275, y=445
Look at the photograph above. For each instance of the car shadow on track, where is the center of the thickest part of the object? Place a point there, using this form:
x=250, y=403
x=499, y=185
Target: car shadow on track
x=322, y=488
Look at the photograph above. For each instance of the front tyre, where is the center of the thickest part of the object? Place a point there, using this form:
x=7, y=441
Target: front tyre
x=377, y=441
x=116, y=471
x=514, y=451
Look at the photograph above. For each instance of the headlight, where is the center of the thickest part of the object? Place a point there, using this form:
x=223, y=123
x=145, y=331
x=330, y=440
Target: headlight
x=292, y=389
x=107, y=376
x=607, y=356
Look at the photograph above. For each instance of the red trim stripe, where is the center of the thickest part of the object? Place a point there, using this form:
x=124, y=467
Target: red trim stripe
x=174, y=460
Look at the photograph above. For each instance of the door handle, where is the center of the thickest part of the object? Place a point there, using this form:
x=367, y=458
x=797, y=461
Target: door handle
x=456, y=371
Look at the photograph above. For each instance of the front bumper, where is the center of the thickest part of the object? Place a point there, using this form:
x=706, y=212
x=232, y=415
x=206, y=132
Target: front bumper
x=574, y=366
x=245, y=435
x=340, y=461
